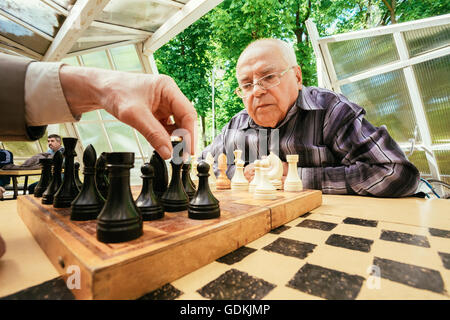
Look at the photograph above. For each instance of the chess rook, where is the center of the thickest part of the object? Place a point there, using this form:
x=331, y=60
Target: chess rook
x=120, y=219
x=68, y=190
x=204, y=205
x=55, y=182
x=46, y=177
x=89, y=202
x=147, y=202
x=293, y=181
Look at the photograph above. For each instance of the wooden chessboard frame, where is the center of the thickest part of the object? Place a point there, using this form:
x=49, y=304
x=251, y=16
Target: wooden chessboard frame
x=169, y=249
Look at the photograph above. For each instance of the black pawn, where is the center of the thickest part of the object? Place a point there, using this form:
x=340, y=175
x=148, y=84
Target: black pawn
x=89, y=202
x=101, y=179
x=175, y=198
x=188, y=184
x=204, y=205
x=120, y=219
x=76, y=170
x=147, y=202
x=55, y=183
x=68, y=190
x=46, y=177
x=162, y=178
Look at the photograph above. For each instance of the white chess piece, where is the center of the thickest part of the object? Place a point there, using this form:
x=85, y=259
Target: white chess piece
x=275, y=171
x=239, y=182
x=265, y=189
x=256, y=177
x=293, y=181
x=212, y=177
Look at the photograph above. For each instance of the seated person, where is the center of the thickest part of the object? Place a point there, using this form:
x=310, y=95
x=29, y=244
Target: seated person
x=54, y=144
x=339, y=151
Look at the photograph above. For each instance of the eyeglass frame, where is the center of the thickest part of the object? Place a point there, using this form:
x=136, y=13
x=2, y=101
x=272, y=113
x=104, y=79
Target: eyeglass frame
x=279, y=74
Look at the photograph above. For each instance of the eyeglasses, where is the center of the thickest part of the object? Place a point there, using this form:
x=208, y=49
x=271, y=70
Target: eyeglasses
x=268, y=81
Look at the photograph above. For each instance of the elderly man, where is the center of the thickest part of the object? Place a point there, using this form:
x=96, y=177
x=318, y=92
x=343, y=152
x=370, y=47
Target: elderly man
x=54, y=144
x=339, y=151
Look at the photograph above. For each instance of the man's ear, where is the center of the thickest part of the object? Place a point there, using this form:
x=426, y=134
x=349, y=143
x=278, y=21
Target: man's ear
x=298, y=75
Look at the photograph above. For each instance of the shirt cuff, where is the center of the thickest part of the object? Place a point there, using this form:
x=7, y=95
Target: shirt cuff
x=45, y=102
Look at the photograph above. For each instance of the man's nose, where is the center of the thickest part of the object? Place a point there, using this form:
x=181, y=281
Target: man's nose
x=258, y=90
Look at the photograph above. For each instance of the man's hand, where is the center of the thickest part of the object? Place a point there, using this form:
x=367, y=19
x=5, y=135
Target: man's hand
x=249, y=172
x=143, y=101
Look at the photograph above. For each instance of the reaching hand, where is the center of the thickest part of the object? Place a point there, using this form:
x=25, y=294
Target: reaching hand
x=143, y=101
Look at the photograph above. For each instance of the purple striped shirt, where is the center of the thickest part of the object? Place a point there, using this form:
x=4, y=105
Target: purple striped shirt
x=339, y=151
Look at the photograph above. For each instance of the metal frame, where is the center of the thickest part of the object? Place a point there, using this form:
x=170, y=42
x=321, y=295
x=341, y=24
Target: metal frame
x=320, y=46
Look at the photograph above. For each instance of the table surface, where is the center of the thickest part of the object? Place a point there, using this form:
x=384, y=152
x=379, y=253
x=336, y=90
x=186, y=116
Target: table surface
x=349, y=248
x=20, y=172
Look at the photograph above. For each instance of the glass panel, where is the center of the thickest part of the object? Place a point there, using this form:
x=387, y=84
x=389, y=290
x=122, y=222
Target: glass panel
x=67, y=4
x=147, y=149
x=443, y=161
x=126, y=58
x=22, y=149
x=121, y=137
x=96, y=59
x=419, y=159
x=70, y=61
x=135, y=172
x=78, y=46
x=434, y=83
x=354, y=56
x=92, y=115
x=106, y=115
x=23, y=36
x=142, y=14
x=386, y=100
x=34, y=13
x=427, y=39
x=92, y=133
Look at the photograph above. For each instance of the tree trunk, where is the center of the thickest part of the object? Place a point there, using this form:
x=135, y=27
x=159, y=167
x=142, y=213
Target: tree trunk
x=205, y=142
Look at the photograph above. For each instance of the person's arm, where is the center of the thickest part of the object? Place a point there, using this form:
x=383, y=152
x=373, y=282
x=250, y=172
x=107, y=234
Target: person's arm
x=372, y=162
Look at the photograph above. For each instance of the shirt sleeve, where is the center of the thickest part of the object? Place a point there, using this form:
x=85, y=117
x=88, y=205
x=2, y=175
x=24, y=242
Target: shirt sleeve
x=45, y=102
x=372, y=162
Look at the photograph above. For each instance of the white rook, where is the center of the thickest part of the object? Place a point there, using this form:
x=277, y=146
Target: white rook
x=293, y=181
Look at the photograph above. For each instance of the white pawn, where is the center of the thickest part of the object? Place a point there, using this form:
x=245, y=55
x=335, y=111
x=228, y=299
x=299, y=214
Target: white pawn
x=239, y=182
x=256, y=177
x=212, y=177
x=265, y=189
x=293, y=181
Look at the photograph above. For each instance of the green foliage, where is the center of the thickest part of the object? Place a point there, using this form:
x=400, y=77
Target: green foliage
x=218, y=39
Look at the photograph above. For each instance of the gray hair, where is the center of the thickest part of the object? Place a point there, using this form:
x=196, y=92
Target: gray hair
x=286, y=49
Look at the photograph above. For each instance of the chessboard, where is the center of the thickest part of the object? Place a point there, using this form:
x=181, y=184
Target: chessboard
x=170, y=248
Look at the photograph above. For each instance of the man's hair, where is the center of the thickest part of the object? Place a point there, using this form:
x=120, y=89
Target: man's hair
x=286, y=49
x=57, y=137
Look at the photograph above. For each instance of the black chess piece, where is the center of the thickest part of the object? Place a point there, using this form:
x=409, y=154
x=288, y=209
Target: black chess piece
x=101, y=179
x=46, y=177
x=204, y=205
x=68, y=190
x=120, y=219
x=55, y=182
x=188, y=184
x=162, y=177
x=147, y=202
x=76, y=170
x=89, y=202
x=175, y=198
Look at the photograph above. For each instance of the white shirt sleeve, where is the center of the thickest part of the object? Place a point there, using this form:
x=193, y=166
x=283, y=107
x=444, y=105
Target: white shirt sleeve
x=44, y=98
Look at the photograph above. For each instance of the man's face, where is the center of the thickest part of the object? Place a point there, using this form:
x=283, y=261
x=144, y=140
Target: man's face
x=54, y=144
x=268, y=107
